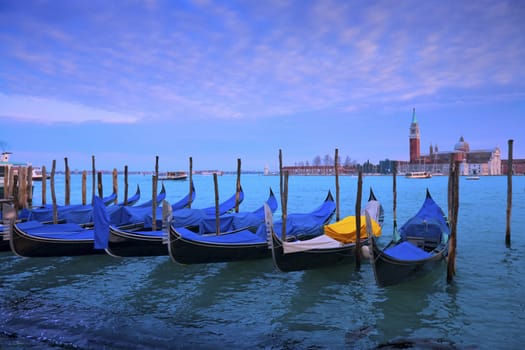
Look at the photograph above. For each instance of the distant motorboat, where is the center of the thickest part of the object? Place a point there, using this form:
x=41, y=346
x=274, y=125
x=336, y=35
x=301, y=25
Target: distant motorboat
x=418, y=175
x=473, y=177
x=37, y=175
x=174, y=175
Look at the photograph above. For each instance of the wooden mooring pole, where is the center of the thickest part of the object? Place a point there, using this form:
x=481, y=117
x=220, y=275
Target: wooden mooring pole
x=394, y=195
x=44, y=184
x=217, y=217
x=53, y=194
x=336, y=164
x=67, y=200
x=154, y=195
x=84, y=187
x=358, y=220
x=510, y=172
x=191, y=182
x=115, y=184
x=284, y=203
x=126, y=185
x=453, y=203
x=93, y=172
x=238, y=187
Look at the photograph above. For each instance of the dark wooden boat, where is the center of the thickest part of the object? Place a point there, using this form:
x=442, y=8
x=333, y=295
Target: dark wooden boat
x=335, y=247
x=422, y=247
x=37, y=239
x=127, y=243
x=189, y=247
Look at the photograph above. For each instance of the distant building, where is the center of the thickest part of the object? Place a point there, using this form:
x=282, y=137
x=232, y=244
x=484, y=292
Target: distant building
x=472, y=162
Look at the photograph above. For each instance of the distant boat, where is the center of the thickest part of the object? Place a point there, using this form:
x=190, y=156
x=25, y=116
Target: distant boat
x=37, y=175
x=174, y=175
x=473, y=177
x=418, y=175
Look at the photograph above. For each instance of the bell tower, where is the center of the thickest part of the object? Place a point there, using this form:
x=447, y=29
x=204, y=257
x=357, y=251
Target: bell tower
x=415, y=152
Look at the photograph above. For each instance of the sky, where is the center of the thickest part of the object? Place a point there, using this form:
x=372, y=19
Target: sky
x=217, y=81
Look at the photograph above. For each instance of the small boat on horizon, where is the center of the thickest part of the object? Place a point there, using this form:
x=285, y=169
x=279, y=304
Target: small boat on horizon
x=174, y=175
x=418, y=175
x=473, y=177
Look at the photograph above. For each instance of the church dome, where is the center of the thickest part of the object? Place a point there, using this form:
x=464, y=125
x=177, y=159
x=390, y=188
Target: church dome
x=462, y=145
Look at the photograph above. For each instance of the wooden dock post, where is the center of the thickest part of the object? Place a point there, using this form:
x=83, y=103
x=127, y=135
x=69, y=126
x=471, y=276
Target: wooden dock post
x=22, y=187
x=217, y=219
x=358, y=220
x=67, y=200
x=100, y=189
x=154, y=195
x=394, y=199
x=44, y=184
x=238, y=187
x=453, y=202
x=126, y=186
x=93, y=171
x=336, y=164
x=53, y=193
x=30, y=186
x=510, y=172
x=84, y=187
x=191, y=181
x=115, y=184
x=284, y=202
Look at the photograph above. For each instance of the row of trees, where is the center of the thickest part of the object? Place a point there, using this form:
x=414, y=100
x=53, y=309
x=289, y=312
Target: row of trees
x=328, y=160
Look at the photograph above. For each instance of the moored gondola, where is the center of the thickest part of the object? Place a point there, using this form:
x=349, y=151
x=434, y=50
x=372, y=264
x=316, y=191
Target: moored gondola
x=422, y=246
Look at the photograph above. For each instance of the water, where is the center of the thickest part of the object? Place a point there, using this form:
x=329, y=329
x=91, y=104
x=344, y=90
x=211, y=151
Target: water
x=100, y=302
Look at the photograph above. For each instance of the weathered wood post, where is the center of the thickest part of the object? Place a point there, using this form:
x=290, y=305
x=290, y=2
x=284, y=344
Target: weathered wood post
x=336, y=164
x=394, y=200
x=191, y=181
x=453, y=199
x=93, y=172
x=30, y=186
x=284, y=205
x=154, y=195
x=154, y=203
x=53, y=193
x=115, y=184
x=100, y=189
x=358, y=220
x=126, y=185
x=510, y=172
x=217, y=218
x=44, y=184
x=84, y=187
x=238, y=187
x=22, y=187
x=67, y=200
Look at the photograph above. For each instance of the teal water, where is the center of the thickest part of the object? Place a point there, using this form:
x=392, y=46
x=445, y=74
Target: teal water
x=100, y=302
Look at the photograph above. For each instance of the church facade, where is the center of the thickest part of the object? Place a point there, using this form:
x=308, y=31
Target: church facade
x=472, y=162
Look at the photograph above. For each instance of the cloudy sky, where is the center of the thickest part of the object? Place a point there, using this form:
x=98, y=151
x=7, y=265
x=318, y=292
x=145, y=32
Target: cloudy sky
x=126, y=81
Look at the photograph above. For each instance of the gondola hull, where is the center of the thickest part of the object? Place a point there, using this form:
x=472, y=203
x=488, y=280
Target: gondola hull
x=311, y=259
x=389, y=271
x=27, y=245
x=186, y=251
x=124, y=243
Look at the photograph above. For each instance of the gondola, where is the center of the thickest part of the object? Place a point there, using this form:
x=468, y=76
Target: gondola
x=335, y=247
x=189, y=247
x=422, y=246
x=126, y=243
x=36, y=239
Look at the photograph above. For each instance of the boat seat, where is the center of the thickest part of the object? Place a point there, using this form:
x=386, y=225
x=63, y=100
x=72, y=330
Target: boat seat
x=417, y=241
x=430, y=244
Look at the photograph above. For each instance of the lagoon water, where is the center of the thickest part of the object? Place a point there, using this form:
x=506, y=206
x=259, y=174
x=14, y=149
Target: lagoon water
x=101, y=302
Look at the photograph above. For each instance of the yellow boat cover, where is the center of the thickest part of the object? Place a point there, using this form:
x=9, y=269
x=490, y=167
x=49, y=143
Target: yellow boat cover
x=344, y=230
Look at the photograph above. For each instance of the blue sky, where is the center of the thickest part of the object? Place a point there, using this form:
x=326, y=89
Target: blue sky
x=126, y=81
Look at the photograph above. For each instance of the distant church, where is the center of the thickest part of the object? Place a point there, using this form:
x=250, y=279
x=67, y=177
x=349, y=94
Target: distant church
x=472, y=162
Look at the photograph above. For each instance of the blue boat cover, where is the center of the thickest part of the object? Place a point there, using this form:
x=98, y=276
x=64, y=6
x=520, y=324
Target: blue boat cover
x=67, y=231
x=75, y=213
x=193, y=217
x=303, y=224
x=429, y=223
x=238, y=237
x=407, y=251
x=101, y=227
